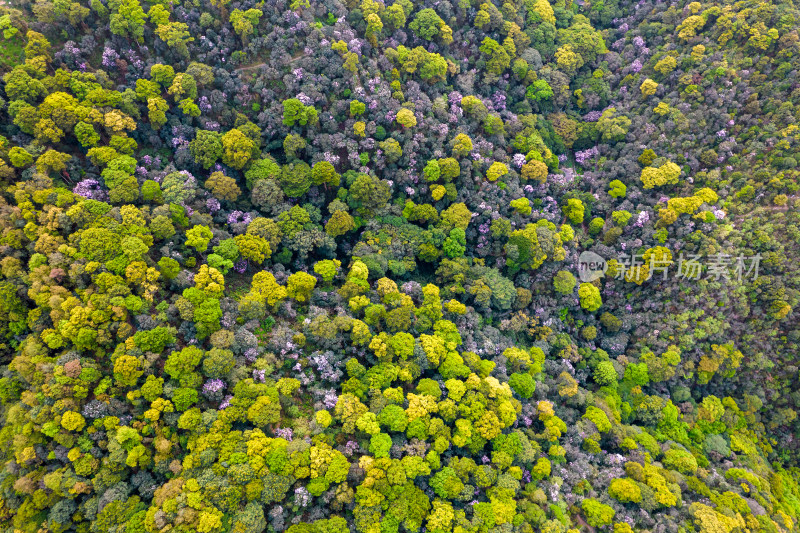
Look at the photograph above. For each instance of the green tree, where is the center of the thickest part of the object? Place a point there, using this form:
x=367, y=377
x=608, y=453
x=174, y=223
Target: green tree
x=181, y=364
x=327, y=269
x=157, y=108
x=522, y=384
x=198, y=238
x=455, y=244
x=617, y=189
x=162, y=74
x=176, y=35
x=539, y=91
x=574, y=211
x=295, y=179
x=127, y=19
x=300, y=285
x=237, y=148
x=86, y=134
x=589, y=297
x=183, y=86
x=597, y=514
x=340, y=223
x=223, y=187
x=21, y=86
x=497, y=58
x=357, y=108
x=206, y=148
x=427, y=24
x=564, y=282
x=253, y=248
x=405, y=117
x=261, y=169
x=294, y=112
x=604, y=374
x=245, y=22
x=613, y=127
x=19, y=157
x=324, y=173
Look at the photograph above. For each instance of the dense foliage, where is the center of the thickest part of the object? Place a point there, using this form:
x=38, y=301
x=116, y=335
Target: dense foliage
x=313, y=266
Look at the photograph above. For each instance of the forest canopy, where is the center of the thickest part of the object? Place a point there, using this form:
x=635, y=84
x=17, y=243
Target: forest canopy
x=383, y=266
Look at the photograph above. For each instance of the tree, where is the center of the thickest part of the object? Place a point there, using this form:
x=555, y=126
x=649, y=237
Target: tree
x=72, y=421
x=340, y=223
x=62, y=108
x=523, y=249
x=237, y=148
x=86, y=134
x=427, y=24
x=127, y=19
x=244, y=22
x=617, y=189
x=156, y=112
x=162, y=74
x=357, y=108
x=590, y=297
x=369, y=192
x=7, y=26
x=535, y=170
x=406, y=118
x=395, y=16
x=574, y=211
x=261, y=169
x=295, y=179
x=327, y=269
x=666, y=64
x=564, y=282
x=432, y=67
x=158, y=15
x=183, y=86
x=455, y=244
x=198, y=238
x=37, y=46
x=462, y=145
x=497, y=58
x=391, y=150
x=300, y=285
x=253, y=248
x=25, y=116
x=374, y=28
x=176, y=35
x=52, y=161
x=496, y=171
x=178, y=187
x=21, y=86
x=523, y=384
x=223, y=187
x=648, y=87
x=217, y=363
x=206, y=148
x=539, y=91
x=127, y=370
x=19, y=157
x=181, y=364
x=568, y=60
x=294, y=112
x=597, y=514
x=613, y=128
x=604, y=374
x=583, y=38
x=666, y=174
x=293, y=145
x=324, y=173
